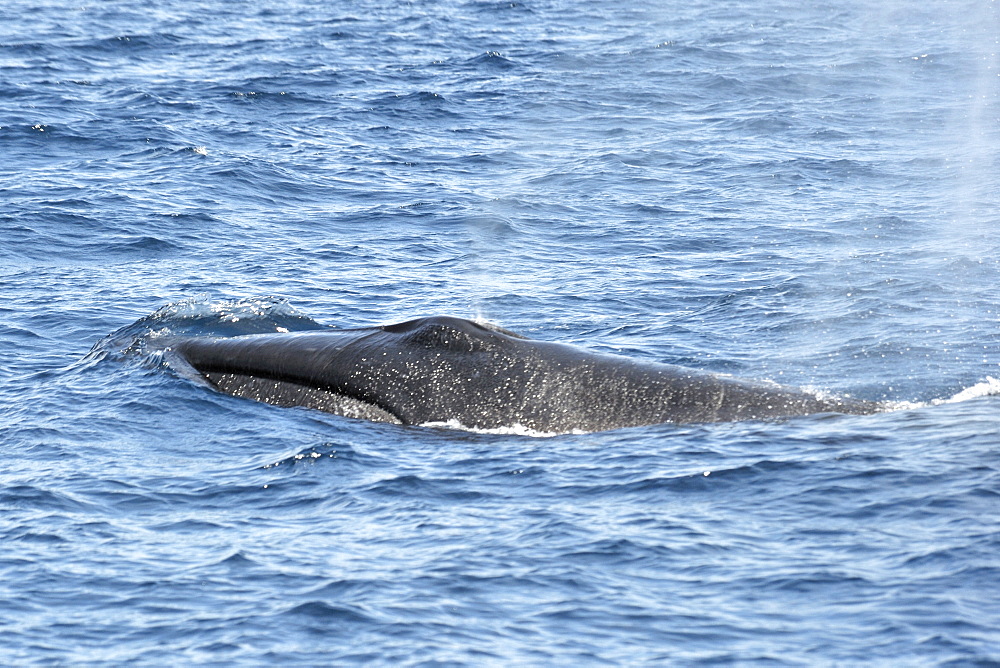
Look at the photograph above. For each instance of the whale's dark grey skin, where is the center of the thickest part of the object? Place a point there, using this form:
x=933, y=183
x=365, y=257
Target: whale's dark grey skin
x=450, y=370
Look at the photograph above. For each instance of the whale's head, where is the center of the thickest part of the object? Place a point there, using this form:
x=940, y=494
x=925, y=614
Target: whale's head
x=447, y=333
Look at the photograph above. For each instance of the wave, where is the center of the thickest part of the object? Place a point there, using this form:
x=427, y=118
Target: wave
x=202, y=316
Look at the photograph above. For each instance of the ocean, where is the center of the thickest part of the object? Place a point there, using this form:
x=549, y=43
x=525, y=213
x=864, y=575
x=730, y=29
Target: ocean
x=805, y=193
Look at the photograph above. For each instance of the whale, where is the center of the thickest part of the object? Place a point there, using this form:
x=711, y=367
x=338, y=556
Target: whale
x=449, y=371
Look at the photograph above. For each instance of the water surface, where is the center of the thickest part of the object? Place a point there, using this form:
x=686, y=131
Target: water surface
x=774, y=190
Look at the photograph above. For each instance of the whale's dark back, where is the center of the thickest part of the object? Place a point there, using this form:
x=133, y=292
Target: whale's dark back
x=450, y=370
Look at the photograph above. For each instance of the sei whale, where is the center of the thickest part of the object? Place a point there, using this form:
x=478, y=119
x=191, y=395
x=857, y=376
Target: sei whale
x=450, y=370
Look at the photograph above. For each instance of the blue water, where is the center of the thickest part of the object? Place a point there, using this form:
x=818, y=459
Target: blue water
x=777, y=190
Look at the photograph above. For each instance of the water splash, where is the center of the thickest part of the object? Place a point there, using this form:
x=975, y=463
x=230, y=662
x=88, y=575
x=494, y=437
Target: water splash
x=202, y=316
x=989, y=387
x=511, y=430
